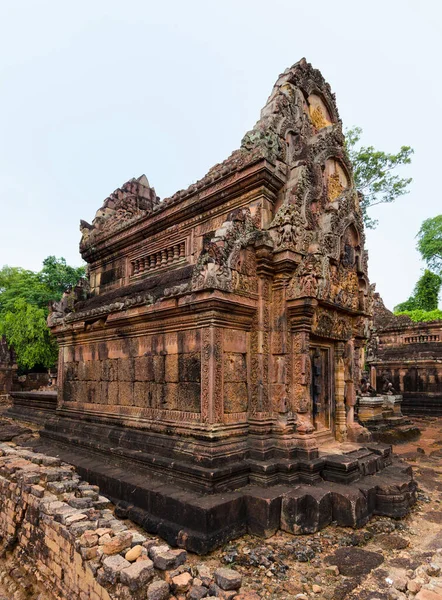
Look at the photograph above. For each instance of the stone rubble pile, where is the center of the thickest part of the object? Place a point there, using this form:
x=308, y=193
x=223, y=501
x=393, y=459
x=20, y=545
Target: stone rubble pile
x=423, y=583
x=65, y=533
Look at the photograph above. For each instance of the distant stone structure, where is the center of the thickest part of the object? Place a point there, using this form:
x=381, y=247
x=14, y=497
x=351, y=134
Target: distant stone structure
x=219, y=339
x=408, y=355
x=8, y=367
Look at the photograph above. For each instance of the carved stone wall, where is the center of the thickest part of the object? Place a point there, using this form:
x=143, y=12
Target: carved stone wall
x=407, y=353
x=201, y=311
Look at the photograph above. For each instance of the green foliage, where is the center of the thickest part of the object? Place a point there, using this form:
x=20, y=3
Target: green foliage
x=430, y=242
x=26, y=331
x=421, y=316
x=58, y=276
x=373, y=173
x=24, y=299
x=425, y=295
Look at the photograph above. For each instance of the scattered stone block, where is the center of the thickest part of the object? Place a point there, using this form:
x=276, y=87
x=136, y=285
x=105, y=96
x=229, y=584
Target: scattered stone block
x=137, y=538
x=228, y=579
x=158, y=590
x=197, y=592
x=218, y=592
x=181, y=583
x=38, y=491
x=80, y=503
x=355, y=561
x=169, y=560
x=118, y=543
x=89, y=553
x=137, y=575
x=88, y=539
x=433, y=570
x=113, y=565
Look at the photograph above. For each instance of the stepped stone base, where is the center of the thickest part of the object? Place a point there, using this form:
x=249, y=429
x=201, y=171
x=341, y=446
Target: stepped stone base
x=382, y=416
x=422, y=405
x=350, y=488
x=34, y=407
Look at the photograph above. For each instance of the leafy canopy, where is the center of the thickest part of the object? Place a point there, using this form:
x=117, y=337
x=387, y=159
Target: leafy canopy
x=425, y=295
x=24, y=299
x=373, y=173
x=26, y=331
x=421, y=316
x=430, y=242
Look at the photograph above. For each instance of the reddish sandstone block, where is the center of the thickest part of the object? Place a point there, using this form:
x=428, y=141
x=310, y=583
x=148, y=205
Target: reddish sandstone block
x=235, y=397
x=125, y=393
x=171, y=368
x=109, y=370
x=189, y=366
x=190, y=397
x=126, y=369
x=159, y=368
x=144, y=368
x=235, y=367
x=112, y=393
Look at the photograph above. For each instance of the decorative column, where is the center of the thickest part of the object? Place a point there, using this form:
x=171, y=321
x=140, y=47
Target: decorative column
x=301, y=313
x=350, y=393
x=212, y=401
x=341, y=417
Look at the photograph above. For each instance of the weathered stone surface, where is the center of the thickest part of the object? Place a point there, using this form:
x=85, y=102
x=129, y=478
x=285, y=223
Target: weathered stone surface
x=158, y=590
x=113, y=566
x=181, y=583
x=118, y=543
x=169, y=560
x=197, y=592
x=355, y=561
x=228, y=579
x=137, y=575
x=218, y=333
x=392, y=541
x=88, y=539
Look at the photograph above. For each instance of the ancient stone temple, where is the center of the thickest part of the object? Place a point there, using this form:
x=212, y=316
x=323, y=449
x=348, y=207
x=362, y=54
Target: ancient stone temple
x=220, y=339
x=8, y=367
x=409, y=356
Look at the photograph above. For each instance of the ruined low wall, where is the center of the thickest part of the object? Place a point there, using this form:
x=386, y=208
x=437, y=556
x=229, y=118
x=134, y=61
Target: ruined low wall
x=42, y=546
x=59, y=540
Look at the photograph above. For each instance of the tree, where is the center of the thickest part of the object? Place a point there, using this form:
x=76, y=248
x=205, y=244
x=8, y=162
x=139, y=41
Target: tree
x=373, y=173
x=26, y=331
x=24, y=299
x=58, y=276
x=425, y=295
x=430, y=242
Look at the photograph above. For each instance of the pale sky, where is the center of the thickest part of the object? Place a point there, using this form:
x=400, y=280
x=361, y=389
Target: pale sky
x=94, y=93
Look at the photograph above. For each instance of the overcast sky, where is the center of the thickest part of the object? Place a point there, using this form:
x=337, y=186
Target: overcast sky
x=94, y=93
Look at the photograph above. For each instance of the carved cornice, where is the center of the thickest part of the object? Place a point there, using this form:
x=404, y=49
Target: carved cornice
x=300, y=313
x=260, y=177
x=197, y=310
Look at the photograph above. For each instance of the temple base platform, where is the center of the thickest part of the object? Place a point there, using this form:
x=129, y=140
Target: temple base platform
x=351, y=484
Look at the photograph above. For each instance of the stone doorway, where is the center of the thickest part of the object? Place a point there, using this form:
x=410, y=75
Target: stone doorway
x=321, y=356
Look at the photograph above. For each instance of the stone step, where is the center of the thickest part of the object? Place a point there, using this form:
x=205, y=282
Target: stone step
x=203, y=522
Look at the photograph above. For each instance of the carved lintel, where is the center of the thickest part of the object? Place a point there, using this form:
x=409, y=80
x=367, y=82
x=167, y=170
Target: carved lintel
x=286, y=261
x=300, y=313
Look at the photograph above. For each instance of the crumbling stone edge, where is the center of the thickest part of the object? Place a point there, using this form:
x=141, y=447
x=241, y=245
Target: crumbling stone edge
x=64, y=536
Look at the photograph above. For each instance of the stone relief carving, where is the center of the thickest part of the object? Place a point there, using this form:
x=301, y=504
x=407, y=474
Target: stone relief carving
x=222, y=263
x=133, y=200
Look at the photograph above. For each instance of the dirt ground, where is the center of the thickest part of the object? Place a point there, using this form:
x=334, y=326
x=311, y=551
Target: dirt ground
x=385, y=560
x=376, y=562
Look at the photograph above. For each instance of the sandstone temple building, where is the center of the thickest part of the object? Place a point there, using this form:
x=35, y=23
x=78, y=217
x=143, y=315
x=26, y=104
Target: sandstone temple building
x=409, y=355
x=220, y=339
